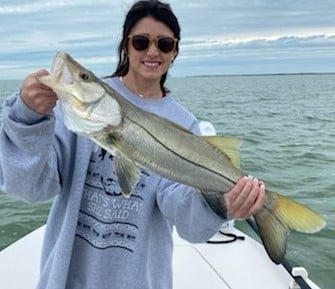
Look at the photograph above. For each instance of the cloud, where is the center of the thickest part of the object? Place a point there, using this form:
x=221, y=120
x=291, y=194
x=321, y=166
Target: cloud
x=38, y=6
x=214, y=33
x=282, y=43
x=283, y=54
x=42, y=6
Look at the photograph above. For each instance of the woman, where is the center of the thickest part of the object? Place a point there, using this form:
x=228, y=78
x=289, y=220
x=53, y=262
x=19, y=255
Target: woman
x=96, y=238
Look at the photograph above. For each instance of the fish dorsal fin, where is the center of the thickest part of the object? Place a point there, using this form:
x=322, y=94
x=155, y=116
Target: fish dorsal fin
x=230, y=146
x=127, y=174
x=175, y=125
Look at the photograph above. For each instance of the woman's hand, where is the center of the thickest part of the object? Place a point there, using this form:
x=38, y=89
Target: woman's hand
x=36, y=95
x=246, y=198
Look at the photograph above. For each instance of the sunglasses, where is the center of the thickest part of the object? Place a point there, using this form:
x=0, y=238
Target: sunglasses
x=141, y=42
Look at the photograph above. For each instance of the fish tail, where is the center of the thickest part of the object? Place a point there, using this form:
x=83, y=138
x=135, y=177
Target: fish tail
x=280, y=215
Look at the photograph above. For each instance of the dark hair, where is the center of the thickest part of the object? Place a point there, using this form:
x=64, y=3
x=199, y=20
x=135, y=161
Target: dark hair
x=145, y=8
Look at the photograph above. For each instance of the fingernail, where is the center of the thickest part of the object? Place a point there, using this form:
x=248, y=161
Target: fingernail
x=250, y=177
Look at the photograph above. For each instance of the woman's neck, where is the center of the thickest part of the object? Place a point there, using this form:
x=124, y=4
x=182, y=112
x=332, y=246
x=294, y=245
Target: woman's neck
x=143, y=88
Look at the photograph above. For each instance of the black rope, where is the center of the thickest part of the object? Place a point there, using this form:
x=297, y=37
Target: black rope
x=230, y=235
x=298, y=279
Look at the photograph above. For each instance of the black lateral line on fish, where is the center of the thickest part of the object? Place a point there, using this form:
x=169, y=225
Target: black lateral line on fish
x=173, y=152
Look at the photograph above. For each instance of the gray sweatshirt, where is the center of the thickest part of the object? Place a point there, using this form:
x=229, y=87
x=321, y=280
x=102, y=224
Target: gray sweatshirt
x=96, y=238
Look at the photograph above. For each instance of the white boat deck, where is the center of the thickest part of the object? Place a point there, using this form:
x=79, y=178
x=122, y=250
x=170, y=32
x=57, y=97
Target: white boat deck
x=238, y=265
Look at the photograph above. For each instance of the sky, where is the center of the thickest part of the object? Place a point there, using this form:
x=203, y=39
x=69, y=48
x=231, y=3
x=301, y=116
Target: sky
x=218, y=36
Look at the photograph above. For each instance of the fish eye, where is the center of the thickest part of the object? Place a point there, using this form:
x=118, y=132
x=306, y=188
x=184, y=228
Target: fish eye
x=84, y=76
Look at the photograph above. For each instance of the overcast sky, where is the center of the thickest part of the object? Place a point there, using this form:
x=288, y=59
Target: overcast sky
x=218, y=36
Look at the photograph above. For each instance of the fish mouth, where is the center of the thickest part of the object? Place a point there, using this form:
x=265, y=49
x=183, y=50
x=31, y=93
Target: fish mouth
x=61, y=70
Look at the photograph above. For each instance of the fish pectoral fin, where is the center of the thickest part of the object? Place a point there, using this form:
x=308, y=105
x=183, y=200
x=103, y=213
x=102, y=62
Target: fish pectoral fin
x=127, y=173
x=230, y=146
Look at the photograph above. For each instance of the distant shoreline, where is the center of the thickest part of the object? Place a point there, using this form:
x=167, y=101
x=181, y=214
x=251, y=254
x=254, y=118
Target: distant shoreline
x=257, y=74
x=230, y=75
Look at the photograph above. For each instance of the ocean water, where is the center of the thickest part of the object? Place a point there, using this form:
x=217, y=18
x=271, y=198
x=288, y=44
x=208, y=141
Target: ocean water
x=287, y=124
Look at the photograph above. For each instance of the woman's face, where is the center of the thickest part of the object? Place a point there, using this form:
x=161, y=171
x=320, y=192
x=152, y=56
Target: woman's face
x=150, y=63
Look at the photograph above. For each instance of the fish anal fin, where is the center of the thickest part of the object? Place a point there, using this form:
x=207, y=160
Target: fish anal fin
x=230, y=146
x=127, y=173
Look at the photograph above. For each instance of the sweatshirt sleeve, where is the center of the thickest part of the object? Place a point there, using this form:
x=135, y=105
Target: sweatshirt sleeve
x=186, y=209
x=28, y=160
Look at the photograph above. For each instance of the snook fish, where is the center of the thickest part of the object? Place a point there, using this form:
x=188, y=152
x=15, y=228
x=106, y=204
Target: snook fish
x=137, y=138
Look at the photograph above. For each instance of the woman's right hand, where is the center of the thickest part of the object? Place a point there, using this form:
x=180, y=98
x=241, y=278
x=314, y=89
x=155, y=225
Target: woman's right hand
x=36, y=95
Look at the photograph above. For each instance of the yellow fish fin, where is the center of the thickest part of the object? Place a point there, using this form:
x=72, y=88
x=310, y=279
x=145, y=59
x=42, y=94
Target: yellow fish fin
x=299, y=217
x=279, y=215
x=230, y=146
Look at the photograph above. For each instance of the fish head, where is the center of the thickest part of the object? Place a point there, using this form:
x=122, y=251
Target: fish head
x=72, y=82
x=86, y=107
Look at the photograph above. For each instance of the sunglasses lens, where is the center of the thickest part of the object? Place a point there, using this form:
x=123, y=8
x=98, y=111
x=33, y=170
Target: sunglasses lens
x=140, y=42
x=166, y=44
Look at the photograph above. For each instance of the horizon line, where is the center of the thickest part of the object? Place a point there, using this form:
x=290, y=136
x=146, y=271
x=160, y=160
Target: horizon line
x=224, y=75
